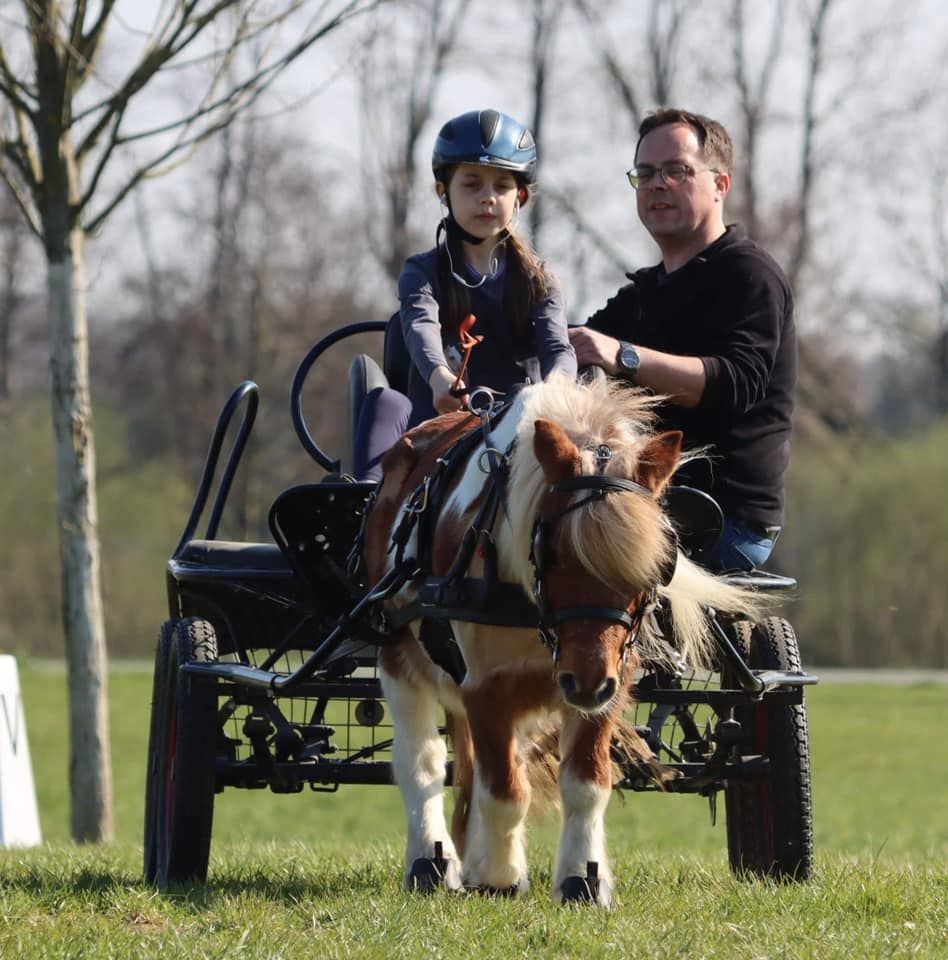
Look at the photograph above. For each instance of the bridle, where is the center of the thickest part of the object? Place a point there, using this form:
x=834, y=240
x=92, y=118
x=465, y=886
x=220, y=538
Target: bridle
x=598, y=486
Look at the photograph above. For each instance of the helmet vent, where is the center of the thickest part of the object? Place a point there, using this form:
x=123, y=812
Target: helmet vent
x=489, y=122
x=526, y=141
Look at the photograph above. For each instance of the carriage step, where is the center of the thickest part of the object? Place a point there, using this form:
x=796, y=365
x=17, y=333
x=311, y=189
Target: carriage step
x=583, y=889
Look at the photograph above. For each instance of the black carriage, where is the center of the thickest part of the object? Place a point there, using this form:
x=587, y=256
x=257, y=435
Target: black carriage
x=265, y=670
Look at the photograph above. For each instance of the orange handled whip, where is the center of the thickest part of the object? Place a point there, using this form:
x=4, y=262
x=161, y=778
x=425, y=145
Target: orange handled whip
x=468, y=343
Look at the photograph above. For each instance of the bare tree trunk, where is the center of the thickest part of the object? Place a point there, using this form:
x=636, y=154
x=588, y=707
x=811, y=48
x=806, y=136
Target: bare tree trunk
x=663, y=40
x=544, y=30
x=940, y=234
x=753, y=94
x=393, y=86
x=12, y=234
x=90, y=778
x=816, y=37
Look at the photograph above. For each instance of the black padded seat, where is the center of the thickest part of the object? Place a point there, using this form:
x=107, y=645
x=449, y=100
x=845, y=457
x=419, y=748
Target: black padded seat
x=232, y=555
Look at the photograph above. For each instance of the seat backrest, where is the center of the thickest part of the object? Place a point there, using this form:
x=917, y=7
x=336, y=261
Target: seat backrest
x=697, y=518
x=396, y=361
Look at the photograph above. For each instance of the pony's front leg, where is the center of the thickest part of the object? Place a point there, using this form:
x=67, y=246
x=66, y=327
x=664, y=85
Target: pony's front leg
x=419, y=758
x=495, y=857
x=582, y=870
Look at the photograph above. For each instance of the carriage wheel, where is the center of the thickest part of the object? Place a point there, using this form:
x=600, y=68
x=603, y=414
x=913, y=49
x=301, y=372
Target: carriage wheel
x=158, y=708
x=186, y=757
x=770, y=821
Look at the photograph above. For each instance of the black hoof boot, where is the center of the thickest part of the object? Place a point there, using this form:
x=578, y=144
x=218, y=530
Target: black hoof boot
x=427, y=873
x=583, y=889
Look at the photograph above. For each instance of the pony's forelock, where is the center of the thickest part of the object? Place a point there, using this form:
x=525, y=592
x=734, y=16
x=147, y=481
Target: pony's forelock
x=619, y=539
x=622, y=538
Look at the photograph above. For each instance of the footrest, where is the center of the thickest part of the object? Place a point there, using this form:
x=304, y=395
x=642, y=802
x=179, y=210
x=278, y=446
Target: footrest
x=782, y=678
x=761, y=580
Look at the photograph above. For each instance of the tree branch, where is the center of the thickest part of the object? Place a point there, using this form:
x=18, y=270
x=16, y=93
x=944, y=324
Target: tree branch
x=89, y=44
x=22, y=201
x=11, y=87
x=584, y=226
x=612, y=63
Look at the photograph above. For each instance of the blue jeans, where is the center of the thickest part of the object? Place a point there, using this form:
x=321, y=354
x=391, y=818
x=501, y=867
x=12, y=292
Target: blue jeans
x=740, y=548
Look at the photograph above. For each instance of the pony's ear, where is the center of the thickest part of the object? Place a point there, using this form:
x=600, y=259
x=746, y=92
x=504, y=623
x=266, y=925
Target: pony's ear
x=659, y=460
x=558, y=455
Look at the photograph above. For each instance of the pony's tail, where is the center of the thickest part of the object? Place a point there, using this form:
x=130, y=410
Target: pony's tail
x=460, y=735
x=690, y=592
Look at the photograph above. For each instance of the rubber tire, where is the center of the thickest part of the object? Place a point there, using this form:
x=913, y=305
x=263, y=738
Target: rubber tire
x=158, y=710
x=770, y=821
x=187, y=754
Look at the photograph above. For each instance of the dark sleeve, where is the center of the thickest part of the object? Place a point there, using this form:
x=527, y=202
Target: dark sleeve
x=420, y=316
x=617, y=317
x=755, y=302
x=554, y=350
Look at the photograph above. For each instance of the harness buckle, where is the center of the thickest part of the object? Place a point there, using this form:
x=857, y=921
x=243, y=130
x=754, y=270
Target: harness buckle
x=485, y=461
x=419, y=499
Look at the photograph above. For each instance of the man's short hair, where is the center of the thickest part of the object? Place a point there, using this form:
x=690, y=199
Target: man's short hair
x=717, y=149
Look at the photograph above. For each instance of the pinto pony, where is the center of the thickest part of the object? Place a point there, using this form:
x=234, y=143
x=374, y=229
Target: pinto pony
x=579, y=527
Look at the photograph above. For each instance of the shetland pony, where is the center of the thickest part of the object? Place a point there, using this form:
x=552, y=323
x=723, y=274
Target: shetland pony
x=580, y=529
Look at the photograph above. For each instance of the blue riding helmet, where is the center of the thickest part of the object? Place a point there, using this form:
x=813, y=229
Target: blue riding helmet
x=489, y=138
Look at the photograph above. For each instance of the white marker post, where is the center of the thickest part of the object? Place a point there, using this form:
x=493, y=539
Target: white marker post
x=19, y=817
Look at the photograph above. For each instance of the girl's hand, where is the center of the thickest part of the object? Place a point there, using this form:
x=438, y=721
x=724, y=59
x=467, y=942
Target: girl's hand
x=441, y=382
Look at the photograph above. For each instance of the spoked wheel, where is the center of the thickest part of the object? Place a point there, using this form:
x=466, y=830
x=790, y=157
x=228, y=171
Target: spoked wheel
x=184, y=782
x=158, y=712
x=770, y=821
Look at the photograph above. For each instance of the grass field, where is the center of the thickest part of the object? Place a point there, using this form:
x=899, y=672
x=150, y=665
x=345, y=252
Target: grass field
x=318, y=875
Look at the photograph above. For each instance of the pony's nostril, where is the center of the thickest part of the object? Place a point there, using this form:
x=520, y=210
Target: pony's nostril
x=607, y=690
x=568, y=684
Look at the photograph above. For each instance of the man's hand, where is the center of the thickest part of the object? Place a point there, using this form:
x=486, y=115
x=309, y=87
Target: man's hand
x=594, y=348
x=679, y=379
x=441, y=382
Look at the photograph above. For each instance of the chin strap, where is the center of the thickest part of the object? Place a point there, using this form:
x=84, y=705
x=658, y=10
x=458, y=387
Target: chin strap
x=455, y=231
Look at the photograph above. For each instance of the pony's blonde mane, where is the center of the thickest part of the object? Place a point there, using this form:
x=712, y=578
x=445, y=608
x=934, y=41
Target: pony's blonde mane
x=622, y=538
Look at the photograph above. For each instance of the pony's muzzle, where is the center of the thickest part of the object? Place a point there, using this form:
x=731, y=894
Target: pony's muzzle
x=591, y=700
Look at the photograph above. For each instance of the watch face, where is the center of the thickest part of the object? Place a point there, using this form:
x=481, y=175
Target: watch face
x=629, y=358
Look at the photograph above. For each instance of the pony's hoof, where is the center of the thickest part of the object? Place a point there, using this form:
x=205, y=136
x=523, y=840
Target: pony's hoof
x=589, y=889
x=428, y=874
x=580, y=890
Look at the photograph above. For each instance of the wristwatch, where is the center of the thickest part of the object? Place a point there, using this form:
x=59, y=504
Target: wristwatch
x=628, y=361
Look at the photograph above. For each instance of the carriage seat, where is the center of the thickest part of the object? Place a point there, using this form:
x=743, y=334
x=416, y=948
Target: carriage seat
x=366, y=375
x=697, y=518
x=264, y=559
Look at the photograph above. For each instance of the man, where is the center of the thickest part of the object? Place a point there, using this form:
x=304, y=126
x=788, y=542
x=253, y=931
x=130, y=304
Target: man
x=710, y=327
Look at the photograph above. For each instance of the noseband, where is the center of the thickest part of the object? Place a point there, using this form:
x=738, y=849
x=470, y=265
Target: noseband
x=540, y=557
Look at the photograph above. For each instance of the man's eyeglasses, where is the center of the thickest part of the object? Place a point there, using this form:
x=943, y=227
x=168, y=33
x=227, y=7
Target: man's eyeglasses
x=674, y=173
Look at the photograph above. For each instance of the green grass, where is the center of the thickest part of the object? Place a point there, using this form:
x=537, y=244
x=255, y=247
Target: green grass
x=318, y=875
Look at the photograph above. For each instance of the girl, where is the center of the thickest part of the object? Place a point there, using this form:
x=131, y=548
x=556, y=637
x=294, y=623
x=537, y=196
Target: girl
x=484, y=165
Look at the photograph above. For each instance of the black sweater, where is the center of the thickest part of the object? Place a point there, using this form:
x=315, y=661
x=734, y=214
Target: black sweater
x=732, y=307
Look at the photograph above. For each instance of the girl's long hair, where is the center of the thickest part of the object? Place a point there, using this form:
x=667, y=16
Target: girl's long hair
x=528, y=281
